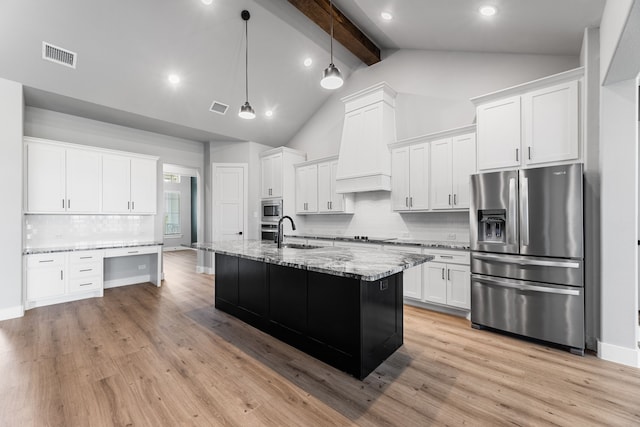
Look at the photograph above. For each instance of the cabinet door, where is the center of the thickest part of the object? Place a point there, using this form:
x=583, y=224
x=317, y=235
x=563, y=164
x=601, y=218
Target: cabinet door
x=435, y=284
x=458, y=286
x=499, y=134
x=441, y=193
x=276, y=176
x=324, y=187
x=45, y=281
x=83, y=181
x=419, y=176
x=143, y=186
x=412, y=277
x=116, y=184
x=463, y=150
x=550, y=118
x=301, y=197
x=265, y=177
x=337, y=199
x=400, y=179
x=307, y=189
x=45, y=178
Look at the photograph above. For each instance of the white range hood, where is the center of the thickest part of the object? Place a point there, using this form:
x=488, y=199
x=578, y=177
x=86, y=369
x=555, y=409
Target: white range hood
x=364, y=163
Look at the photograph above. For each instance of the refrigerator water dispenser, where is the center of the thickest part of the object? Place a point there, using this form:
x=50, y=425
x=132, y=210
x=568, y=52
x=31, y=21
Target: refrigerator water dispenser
x=492, y=225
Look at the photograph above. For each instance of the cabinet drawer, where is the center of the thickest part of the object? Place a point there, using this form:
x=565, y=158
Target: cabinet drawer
x=450, y=257
x=84, y=284
x=85, y=257
x=85, y=269
x=45, y=260
x=140, y=250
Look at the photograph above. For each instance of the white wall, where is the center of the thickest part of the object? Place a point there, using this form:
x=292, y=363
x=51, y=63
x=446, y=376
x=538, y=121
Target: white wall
x=63, y=127
x=11, y=113
x=614, y=19
x=434, y=89
x=619, y=190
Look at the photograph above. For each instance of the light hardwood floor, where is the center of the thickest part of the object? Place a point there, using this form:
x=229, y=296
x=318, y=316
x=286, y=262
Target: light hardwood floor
x=150, y=356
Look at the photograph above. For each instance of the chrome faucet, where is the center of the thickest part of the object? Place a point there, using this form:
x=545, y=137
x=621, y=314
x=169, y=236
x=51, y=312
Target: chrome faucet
x=279, y=235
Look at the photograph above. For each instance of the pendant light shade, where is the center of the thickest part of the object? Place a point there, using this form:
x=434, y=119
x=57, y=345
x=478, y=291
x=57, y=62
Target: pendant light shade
x=246, y=111
x=331, y=77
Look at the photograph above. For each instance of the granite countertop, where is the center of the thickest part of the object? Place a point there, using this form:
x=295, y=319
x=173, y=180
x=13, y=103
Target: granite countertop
x=361, y=264
x=88, y=247
x=404, y=241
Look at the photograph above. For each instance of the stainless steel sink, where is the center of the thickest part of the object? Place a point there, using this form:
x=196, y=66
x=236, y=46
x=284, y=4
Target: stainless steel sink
x=299, y=246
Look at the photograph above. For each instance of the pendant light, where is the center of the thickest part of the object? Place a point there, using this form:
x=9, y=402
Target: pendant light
x=331, y=77
x=246, y=111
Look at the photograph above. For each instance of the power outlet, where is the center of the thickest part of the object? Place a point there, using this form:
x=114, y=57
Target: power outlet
x=142, y=266
x=452, y=236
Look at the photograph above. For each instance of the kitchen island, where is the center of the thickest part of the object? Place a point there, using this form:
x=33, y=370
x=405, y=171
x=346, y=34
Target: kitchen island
x=340, y=305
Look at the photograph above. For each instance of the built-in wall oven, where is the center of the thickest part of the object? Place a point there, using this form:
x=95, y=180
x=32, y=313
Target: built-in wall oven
x=271, y=214
x=527, y=253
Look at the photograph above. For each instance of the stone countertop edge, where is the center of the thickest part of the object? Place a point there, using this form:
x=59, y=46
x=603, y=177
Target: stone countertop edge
x=319, y=269
x=464, y=246
x=35, y=251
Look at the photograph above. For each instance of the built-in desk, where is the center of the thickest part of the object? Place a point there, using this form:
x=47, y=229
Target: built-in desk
x=63, y=274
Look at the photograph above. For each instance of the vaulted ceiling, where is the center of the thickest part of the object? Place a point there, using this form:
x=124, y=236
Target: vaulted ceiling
x=126, y=50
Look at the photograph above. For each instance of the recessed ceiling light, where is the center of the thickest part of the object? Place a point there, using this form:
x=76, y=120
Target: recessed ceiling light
x=207, y=2
x=386, y=16
x=307, y=62
x=487, y=10
x=174, y=79
x=268, y=113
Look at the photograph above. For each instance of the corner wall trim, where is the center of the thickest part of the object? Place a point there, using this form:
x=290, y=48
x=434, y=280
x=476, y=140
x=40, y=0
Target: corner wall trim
x=618, y=354
x=204, y=270
x=11, y=312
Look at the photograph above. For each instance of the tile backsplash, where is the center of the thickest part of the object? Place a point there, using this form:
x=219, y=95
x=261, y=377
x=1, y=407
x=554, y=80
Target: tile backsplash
x=45, y=231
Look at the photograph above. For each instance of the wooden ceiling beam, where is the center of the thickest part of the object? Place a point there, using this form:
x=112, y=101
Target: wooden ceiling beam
x=344, y=31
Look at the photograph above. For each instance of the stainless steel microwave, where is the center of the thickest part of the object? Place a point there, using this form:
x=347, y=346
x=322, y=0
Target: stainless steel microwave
x=271, y=210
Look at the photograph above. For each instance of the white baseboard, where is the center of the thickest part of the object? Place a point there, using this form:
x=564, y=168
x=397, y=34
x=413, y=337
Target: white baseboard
x=615, y=353
x=11, y=312
x=134, y=280
x=97, y=293
x=204, y=270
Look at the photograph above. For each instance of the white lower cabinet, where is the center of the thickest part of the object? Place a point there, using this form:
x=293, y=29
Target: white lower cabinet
x=61, y=277
x=446, y=280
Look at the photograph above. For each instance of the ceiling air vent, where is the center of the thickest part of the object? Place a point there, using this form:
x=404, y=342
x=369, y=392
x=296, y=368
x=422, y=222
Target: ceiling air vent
x=218, y=107
x=58, y=55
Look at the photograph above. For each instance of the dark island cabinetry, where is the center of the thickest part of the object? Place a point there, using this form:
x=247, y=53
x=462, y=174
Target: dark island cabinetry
x=351, y=324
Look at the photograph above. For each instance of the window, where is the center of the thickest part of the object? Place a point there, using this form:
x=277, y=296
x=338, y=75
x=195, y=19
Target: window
x=169, y=177
x=171, y=212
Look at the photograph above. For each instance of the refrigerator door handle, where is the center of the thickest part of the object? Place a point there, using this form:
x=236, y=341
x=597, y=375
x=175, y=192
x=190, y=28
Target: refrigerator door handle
x=524, y=210
x=524, y=287
x=523, y=261
x=511, y=215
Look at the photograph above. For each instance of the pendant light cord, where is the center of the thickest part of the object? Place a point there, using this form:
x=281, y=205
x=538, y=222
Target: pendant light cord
x=246, y=60
x=331, y=14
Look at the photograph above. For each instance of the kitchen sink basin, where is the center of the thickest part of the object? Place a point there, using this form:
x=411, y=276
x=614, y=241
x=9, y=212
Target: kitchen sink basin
x=299, y=246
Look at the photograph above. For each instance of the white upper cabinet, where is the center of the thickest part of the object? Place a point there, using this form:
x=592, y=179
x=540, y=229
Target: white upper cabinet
x=70, y=178
x=116, y=184
x=499, y=134
x=307, y=189
x=431, y=172
x=45, y=178
x=441, y=183
x=271, y=176
x=83, y=179
x=537, y=123
x=143, y=186
x=410, y=177
x=316, y=188
x=129, y=185
x=550, y=118
x=62, y=179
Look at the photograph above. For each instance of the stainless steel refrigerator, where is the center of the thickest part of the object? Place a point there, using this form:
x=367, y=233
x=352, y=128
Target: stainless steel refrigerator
x=527, y=257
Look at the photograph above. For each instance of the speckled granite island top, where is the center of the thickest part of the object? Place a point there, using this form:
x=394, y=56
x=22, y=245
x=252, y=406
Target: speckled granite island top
x=361, y=264
x=88, y=247
x=399, y=241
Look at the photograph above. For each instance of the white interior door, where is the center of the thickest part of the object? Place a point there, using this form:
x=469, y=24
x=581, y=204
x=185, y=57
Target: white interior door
x=229, y=213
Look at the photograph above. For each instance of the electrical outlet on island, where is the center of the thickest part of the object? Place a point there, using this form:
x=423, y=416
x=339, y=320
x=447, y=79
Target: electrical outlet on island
x=452, y=236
